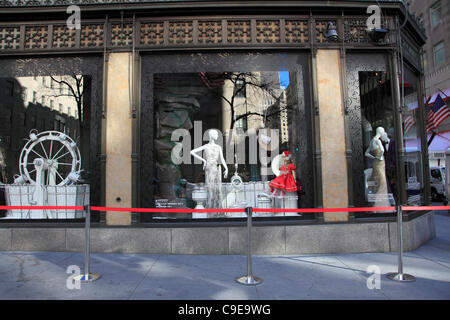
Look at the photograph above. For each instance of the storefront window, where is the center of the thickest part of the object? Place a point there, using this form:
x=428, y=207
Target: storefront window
x=378, y=143
x=218, y=139
x=36, y=147
x=369, y=117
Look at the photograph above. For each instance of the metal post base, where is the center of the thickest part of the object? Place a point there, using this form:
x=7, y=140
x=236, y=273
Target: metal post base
x=249, y=280
x=90, y=278
x=403, y=277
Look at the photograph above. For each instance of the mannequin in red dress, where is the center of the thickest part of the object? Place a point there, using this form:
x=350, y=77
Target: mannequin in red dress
x=286, y=181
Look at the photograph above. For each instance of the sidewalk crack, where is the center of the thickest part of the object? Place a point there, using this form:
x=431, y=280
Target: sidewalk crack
x=143, y=278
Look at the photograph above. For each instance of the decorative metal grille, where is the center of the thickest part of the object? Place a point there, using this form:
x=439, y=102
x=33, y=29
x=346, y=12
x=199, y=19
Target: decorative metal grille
x=210, y=32
x=9, y=38
x=239, y=31
x=267, y=31
x=181, y=32
x=92, y=35
x=63, y=37
x=121, y=34
x=36, y=37
x=355, y=30
x=189, y=33
x=152, y=33
x=321, y=29
x=297, y=31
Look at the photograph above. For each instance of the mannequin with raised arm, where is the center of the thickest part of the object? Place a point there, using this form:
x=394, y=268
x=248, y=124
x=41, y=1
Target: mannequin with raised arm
x=213, y=170
x=375, y=151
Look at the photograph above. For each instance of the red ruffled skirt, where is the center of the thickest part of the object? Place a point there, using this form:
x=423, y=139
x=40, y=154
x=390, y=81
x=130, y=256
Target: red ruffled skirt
x=284, y=182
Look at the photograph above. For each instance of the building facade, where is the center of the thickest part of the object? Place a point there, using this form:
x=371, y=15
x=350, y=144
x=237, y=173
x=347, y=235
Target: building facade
x=434, y=17
x=155, y=77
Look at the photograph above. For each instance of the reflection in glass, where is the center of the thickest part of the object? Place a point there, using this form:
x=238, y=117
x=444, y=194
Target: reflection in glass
x=43, y=103
x=251, y=113
x=378, y=138
x=412, y=143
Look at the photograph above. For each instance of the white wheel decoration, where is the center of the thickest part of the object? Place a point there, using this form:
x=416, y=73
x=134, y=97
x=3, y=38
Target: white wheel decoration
x=60, y=158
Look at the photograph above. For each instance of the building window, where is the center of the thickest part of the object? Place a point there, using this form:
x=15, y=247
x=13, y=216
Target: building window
x=68, y=111
x=51, y=104
x=34, y=97
x=43, y=82
x=60, y=108
x=241, y=123
x=435, y=13
x=43, y=100
x=439, y=53
x=240, y=88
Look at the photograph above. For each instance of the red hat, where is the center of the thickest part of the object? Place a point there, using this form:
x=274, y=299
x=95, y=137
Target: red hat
x=287, y=154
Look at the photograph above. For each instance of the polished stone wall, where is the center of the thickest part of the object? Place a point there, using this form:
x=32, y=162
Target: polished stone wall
x=294, y=239
x=332, y=133
x=118, y=138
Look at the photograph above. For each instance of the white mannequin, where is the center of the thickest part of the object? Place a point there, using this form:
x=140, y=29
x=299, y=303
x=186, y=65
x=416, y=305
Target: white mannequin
x=375, y=151
x=380, y=135
x=211, y=165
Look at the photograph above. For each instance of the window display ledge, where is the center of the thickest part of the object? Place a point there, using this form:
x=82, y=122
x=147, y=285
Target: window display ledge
x=277, y=239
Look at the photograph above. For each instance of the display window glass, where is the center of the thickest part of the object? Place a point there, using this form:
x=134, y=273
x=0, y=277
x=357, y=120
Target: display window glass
x=231, y=136
x=412, y=143
x=370, y=121
x=50, y=133
x=377, y=122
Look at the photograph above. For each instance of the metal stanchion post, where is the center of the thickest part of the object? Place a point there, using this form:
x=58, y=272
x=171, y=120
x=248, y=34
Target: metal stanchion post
x=87, y=276
x=249, y=279
x=400, y=276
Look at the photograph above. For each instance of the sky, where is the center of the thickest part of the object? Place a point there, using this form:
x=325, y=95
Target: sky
x=284, y=79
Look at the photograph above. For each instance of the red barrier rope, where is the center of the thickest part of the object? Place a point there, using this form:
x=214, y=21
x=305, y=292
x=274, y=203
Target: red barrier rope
x=326, y=209
x=166, y=210
x=41, y=208
x=425, y=208
x=175, y=210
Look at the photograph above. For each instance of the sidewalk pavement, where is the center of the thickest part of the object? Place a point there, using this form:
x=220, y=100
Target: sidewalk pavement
x=43, y=275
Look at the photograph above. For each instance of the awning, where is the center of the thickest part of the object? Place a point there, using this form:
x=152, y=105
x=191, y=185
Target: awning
x=441, y=142
x=445, y=95
x=402, y=82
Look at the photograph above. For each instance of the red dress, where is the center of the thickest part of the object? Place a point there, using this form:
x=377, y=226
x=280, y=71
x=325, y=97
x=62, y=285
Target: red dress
x=285, y=181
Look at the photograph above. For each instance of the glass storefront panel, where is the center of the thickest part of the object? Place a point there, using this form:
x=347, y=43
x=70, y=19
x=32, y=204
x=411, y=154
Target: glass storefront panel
x=378, y=143
x=411, y=136
x=46, y=132
x=219, y=130
x=371, y=124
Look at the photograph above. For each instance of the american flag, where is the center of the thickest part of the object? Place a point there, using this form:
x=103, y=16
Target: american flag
x=438, y=113
x=409, y=123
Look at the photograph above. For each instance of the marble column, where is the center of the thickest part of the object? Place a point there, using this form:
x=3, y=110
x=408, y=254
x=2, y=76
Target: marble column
x=118, y=138
x=332, y=134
